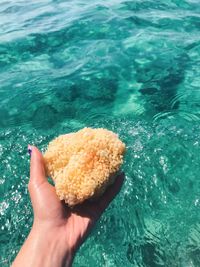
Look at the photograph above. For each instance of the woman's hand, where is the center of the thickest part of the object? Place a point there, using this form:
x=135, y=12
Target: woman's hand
x=56, y=227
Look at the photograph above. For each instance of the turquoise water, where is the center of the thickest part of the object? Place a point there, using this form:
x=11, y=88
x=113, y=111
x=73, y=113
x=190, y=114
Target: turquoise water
x=132, y=67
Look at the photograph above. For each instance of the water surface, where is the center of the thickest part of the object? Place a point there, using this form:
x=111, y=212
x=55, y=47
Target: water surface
x=132, y=67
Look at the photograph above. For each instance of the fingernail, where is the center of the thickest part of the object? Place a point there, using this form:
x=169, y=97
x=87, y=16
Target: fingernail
x=29, y=150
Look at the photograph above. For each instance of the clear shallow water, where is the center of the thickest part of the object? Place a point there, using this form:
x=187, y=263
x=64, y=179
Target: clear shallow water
x=132, y=67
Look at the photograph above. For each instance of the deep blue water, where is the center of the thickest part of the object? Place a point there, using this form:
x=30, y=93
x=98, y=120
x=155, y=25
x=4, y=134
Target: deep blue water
x=132, y=67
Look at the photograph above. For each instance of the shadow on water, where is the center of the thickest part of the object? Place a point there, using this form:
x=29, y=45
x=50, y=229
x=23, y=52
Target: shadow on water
x=160, y=79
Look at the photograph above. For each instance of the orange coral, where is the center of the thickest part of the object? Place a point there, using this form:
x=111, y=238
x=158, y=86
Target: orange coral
x=83, y=164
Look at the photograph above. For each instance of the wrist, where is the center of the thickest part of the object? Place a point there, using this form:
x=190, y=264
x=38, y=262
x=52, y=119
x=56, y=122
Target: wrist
x=51, y=245
x=45, y=246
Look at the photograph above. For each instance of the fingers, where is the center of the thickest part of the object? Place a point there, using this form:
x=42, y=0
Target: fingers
x=37, y=170
x=111, y=192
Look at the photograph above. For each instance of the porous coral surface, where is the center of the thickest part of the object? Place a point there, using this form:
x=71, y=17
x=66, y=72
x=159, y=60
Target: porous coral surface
x=83, y=164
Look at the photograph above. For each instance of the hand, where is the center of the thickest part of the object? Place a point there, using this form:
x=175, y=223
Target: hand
x=74, y=223
x=55, y=218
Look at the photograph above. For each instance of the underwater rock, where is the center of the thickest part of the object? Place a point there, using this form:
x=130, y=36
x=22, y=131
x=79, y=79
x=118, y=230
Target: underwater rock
x=44, y=117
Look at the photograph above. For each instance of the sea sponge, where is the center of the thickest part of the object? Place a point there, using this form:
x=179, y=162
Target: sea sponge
x=84, y=163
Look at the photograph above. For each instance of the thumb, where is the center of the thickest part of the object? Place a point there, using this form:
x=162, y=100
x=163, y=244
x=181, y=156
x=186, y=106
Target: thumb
x=37, y=169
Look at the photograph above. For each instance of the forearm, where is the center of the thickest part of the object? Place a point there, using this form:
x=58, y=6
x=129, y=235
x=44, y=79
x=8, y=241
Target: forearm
x=44, y=248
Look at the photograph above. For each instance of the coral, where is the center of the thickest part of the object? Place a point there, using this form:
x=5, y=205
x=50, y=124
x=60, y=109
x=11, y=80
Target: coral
x=84, y=163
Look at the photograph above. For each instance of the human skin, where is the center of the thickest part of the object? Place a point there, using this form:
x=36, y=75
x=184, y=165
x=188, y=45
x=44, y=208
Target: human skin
x=57, y=230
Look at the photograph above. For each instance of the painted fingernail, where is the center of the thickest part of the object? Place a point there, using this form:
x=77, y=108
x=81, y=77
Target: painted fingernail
x=29, y=150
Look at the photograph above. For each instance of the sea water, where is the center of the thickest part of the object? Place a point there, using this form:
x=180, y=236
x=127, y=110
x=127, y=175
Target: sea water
x=132, y=67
